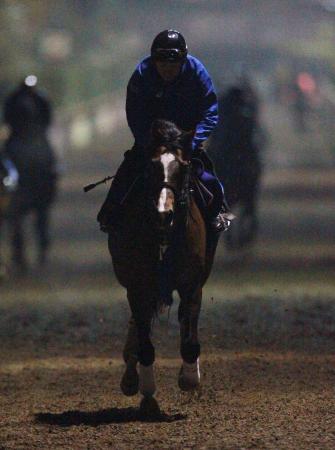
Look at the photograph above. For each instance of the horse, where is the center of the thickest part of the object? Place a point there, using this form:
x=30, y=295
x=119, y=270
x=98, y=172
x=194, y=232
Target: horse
x=36, y=165
x=162, y=246
x=235, y=149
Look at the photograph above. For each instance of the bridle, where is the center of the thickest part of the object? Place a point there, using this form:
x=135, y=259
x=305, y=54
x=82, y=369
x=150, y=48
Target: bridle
x=179, y=216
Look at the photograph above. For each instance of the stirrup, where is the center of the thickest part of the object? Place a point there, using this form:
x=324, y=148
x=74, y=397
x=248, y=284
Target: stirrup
x=222, y=221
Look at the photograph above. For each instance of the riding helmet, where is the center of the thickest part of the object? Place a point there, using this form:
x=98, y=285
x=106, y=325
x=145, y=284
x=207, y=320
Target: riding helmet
x=169, y=45
x=30, y=80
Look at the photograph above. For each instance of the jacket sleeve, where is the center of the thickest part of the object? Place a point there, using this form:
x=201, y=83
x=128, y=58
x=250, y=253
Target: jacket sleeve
x=208, y=108
x=137, y=116
x=8, y=115
x=45, y=109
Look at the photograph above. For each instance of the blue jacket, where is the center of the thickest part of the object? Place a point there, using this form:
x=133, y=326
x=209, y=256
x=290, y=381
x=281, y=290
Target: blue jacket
x=190, y=101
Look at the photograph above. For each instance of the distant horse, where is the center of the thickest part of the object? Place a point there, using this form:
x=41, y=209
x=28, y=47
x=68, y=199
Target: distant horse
x=162, y=247
x=35, y=161
x=235, y=149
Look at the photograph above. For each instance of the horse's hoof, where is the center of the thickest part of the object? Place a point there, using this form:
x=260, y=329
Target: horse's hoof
x=186, y=385
x=189, y=377
x=130, y=381
x=149, y=408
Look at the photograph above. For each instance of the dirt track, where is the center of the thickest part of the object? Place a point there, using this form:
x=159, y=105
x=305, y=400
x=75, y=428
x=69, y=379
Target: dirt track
x=267, y=332
x=268, y=370
x=249, y=399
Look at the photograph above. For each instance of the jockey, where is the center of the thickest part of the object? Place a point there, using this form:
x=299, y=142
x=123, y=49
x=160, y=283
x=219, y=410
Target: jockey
x=169, y=84
x=27, y=112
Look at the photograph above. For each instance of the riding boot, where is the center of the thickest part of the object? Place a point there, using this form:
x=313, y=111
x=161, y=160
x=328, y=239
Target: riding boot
x=222, y=221
x=110, y=216
x=217, y=212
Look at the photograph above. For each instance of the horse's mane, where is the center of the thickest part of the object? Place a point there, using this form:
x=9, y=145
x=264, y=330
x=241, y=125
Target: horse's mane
x=165, y=135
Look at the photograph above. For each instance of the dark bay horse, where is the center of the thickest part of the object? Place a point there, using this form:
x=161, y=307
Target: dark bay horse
x=35, y=161
x=162, y=247
x=236, y=148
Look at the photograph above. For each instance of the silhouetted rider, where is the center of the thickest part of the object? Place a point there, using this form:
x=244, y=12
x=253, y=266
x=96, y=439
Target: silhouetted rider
x=27, y=112
x=169, y=84
x=236, y=150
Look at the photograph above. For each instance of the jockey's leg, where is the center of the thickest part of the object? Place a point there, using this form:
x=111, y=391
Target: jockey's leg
x=110, y=214
x=218, y=211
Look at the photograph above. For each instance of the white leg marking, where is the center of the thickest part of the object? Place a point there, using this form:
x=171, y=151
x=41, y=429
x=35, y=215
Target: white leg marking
x=191, y=372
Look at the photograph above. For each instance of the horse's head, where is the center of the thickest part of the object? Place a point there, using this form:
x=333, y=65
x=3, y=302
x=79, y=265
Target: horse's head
x=170, y=153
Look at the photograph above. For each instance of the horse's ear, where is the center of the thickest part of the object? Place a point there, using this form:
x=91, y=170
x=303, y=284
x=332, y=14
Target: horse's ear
x=186, y=141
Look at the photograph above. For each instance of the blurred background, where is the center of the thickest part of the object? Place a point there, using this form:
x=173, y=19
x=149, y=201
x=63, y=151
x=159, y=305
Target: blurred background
x=84, y=52
x=267, y=326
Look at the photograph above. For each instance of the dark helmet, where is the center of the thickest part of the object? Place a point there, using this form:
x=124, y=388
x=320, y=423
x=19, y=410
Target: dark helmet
x=169, y=45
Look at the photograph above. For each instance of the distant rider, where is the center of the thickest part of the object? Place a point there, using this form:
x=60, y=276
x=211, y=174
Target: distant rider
x=27, y=113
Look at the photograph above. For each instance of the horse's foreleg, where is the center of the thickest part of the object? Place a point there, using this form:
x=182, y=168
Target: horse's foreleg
x=130, y=351
x=188, y=314
x=142, y=311
x=130, y=380
x=17, y=243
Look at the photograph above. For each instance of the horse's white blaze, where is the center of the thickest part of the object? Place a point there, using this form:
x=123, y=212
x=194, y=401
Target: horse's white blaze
x=165, y=201
x=147, y=380
x=166, y=159
x=166, y=198
x=191, y=372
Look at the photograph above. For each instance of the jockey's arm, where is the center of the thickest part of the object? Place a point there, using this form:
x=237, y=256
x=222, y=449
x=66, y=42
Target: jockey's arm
x=208, y=109
x=8, y=115
x=137, y=117
x=45, y=109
